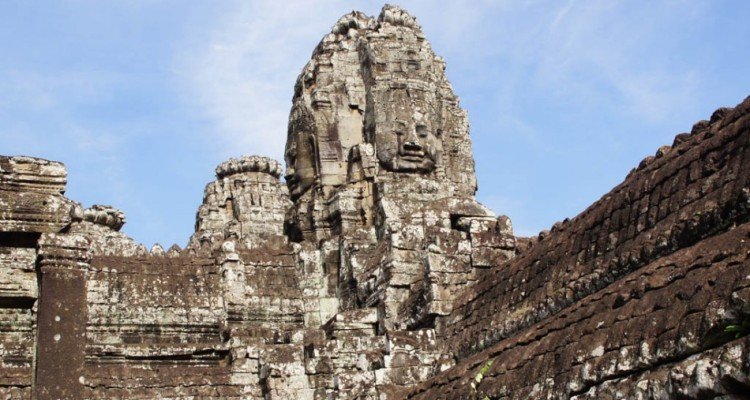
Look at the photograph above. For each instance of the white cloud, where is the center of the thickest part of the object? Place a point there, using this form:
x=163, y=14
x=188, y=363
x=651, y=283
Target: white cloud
x=242, y=73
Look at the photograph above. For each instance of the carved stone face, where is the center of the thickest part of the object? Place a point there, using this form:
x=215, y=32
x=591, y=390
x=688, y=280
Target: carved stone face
x=301, y=169
x=408, y=141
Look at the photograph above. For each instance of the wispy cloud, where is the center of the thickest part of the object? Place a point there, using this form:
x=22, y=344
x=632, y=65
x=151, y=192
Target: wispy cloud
x=241, y=73
x=587, y=50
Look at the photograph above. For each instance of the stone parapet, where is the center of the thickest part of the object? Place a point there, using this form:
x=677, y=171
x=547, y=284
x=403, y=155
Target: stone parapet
x=31, y=195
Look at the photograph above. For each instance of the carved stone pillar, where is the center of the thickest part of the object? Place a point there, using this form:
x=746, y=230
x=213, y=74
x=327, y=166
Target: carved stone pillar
x=61, y=337
x=232, y=276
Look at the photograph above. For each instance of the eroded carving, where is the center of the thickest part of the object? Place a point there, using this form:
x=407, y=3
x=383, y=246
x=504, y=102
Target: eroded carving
x=105, y=215
x=406, y=139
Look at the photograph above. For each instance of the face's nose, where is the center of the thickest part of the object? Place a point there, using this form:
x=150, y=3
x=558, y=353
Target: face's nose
x=412, y=141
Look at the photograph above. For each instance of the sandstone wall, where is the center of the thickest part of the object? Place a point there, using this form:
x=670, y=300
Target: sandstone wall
x=18, y=293
x=153, y=328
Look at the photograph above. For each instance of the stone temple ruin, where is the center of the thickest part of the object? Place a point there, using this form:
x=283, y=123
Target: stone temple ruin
x=374, y=273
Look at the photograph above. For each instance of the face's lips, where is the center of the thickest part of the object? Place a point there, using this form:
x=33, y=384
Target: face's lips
x=292, y=182
x=412, y=151
x=413, y=156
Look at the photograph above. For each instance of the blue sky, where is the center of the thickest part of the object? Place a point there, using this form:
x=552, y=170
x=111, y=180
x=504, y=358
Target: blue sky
x=142, y=99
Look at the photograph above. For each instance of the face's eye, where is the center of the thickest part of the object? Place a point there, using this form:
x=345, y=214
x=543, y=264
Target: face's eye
x=421, y=131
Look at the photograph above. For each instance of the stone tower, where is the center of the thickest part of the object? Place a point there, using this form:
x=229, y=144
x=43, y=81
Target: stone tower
x=380, y=169
x=246, y=201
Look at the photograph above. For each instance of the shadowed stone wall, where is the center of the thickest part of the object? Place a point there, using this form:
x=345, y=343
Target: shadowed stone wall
x=698, y=187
